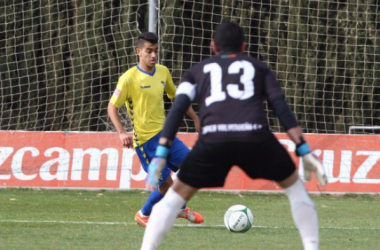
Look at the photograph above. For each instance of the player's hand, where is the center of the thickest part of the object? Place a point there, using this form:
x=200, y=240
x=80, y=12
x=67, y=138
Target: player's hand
x=154, y=173
x=311, y=164
x=157, y=165
x=126, y=140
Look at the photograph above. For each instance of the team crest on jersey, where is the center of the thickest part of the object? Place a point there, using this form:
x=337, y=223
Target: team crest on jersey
x=117, y=92
x=163, y=83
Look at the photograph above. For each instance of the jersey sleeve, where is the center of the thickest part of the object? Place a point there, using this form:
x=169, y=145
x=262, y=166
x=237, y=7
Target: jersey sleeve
x=121, y=93
x=276, y=100
x=273, y=87
x=188, y=77
x=170, y=88
x=187, y=85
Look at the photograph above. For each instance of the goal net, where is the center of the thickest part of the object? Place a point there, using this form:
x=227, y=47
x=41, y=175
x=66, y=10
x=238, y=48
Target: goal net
x=325, y=53
x=60, y=60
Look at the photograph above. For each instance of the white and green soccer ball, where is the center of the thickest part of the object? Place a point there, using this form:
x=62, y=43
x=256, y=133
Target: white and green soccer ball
x=238, y=219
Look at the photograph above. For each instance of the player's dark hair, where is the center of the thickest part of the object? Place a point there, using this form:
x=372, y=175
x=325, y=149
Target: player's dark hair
x=147, y=37
x=228, y=36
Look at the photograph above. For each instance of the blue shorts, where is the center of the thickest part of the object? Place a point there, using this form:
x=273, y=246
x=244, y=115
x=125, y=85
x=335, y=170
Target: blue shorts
x=178, y=152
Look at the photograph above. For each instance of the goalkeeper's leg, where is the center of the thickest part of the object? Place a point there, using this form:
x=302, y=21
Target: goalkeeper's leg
x=164, y=214
x=303, y=211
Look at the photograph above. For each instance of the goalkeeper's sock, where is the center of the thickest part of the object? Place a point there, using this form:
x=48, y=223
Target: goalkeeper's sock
x=154, y=197
x=162, y=219
x=304, y=214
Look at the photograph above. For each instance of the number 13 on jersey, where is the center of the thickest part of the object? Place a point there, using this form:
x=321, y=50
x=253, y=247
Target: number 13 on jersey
x=217, y=93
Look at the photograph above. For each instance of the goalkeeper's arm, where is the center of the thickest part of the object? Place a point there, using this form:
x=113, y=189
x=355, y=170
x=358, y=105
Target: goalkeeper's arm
x=287, y=119
x=310, y=162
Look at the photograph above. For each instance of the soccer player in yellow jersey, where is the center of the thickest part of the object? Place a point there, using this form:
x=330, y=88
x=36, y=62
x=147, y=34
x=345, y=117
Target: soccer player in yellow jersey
x=141, y=89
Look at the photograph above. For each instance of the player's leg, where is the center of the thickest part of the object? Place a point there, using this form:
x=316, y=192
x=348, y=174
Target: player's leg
x=303, y=211
x=302, y=206
x=164, y=214
x=270, y=160
x=157, y=194
x=145, y=153
x=178, y=152
x=142, y=216
x=200, y=169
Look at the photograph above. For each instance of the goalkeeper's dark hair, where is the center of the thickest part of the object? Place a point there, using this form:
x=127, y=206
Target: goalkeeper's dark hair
x=228, y=36
x=146, y=37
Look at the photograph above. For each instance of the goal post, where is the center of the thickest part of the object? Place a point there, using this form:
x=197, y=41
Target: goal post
x=362, y=129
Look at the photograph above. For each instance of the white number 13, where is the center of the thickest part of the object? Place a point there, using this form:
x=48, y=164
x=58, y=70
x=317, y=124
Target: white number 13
x=217, y=94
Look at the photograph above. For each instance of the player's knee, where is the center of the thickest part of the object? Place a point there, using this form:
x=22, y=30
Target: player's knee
x=303, y=203
x=165, y=185
x=298, y=196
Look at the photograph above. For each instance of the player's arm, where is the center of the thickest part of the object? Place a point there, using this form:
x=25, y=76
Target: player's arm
x=287, y=119
x=190, y=112
x=171, y=91
x=185, y=94
x=113, y=113
x=173, y=120
x=117, y=100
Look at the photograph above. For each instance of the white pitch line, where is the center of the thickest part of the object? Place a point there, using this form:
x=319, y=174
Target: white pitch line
x=176, y=225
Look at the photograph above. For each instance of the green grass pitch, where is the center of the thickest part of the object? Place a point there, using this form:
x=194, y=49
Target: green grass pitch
x=76, y=219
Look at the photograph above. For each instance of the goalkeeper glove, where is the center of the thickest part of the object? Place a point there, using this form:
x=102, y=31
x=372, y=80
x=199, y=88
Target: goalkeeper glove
x=311, y=163
x=157, y=165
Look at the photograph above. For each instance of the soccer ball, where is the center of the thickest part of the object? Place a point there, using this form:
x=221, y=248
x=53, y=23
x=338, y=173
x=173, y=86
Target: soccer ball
x=238, y=219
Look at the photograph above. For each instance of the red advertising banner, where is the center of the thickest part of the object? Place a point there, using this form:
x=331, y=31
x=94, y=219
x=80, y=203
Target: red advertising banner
x=97, y=160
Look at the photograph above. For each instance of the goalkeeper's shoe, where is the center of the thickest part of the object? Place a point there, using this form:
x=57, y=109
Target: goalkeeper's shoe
x=191, y=216
x=141, y=219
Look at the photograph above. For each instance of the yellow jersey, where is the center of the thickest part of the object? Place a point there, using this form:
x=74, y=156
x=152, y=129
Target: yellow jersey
x=142, y=93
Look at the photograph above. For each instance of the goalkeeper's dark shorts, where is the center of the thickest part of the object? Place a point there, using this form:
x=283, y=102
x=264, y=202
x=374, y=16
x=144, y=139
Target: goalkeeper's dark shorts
x=208, y=163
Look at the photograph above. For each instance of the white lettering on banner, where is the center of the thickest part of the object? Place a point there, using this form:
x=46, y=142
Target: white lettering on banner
x=234, y=127
x=290, y=144
x=361, y=174
x=328, y=162
x=17, y=163
x=5, y=152
x=345, y=169
x=141, y=175
x=95, y=160
x=345, y=166
x=63, y=162
x=126, y=168
x=88, y=161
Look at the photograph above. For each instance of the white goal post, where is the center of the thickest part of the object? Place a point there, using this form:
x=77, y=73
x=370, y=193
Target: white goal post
x=352, y=128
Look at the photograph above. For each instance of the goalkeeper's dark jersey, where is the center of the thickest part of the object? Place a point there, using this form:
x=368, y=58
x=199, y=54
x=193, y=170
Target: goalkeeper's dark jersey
x=230, y=90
